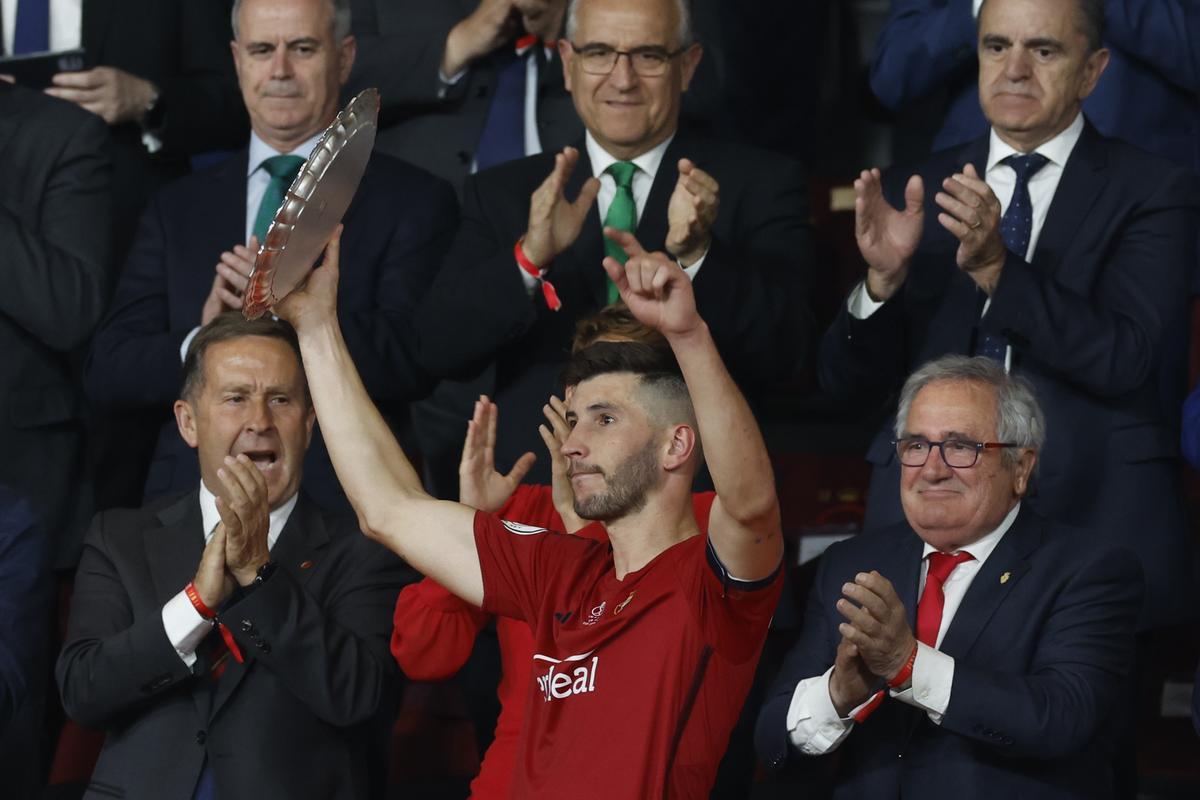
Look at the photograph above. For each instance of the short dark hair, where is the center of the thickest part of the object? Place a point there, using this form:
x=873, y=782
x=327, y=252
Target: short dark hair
x=650, y=362
x=227, y=326
x=1092, y=21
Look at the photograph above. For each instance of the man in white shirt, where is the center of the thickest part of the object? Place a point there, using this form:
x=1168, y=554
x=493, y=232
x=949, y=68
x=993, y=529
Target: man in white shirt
x=976, y=649
x=198, y=239
x=526, y=262
x=233, y=642
x=1059, y=253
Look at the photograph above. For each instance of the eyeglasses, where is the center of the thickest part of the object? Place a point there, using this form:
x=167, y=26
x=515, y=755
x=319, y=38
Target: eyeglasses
x=649, y=61
x=914, y=451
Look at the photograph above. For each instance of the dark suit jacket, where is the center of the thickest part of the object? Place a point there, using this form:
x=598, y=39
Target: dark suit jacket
x=752, y=288
x=54, y=234
x=1039, y=662
x=400, y=47
x=397, y=229
x=26, y=600
x=295, y=720
x=1087, y=320
x=1147, y=95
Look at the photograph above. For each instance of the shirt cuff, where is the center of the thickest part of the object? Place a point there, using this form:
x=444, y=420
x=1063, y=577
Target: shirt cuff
x=860, y=305
x=187, y=342
x=184, y=626
x=695, y=267
x=932, y=679
x=813, y=723
x=446, y=84
x=531, y=283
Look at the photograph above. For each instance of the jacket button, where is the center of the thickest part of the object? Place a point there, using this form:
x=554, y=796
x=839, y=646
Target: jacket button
x=265, y=647
x=247, y=625
x=200, y=737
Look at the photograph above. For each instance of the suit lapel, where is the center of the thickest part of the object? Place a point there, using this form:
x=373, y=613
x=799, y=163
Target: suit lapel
x=300, y=542
x=1083, y=181
x=905, y=570
x=652, y=224
x=174, y=549
x=217, y=223
x=588, y=248
x=1003, y=570
x=96, y=14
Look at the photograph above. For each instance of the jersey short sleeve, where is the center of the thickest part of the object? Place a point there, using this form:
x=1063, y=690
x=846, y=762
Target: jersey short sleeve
x=521, y=564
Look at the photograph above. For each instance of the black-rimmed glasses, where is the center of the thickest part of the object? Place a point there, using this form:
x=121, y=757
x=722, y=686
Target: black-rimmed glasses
x=649, y=62
x=913, y=451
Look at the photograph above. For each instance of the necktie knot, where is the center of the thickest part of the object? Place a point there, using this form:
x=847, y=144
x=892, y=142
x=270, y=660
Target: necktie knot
x=1026, y=166
x=622, y=172
x=942, y=564
x=283, y=167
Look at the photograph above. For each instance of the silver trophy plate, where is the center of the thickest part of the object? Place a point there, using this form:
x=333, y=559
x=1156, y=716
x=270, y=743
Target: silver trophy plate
x=314, y=205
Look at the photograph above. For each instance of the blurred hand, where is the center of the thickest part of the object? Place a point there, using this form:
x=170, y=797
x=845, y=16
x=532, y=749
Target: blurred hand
x=555, y=222
x=492, y=24
x=887, y=238
x=554, y=433
x=691, y=213
x=245, y=514
x=479, y=484
x=229, y=285
x=656, y=289
x=108, y=92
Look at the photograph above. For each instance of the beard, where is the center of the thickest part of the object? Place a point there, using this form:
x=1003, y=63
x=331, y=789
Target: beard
x=626, y=489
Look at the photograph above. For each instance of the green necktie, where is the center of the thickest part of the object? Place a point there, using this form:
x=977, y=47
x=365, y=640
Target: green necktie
x=622, y=215
x=282, y=170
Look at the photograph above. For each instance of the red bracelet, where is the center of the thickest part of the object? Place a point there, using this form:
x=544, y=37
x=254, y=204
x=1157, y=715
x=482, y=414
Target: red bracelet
x=905, y=674
x=207, y=613
x=201, y=608
x=861, y=715
x=538, y=273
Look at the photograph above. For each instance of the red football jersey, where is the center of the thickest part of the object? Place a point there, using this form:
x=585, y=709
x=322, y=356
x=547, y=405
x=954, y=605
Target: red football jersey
x=636, y=682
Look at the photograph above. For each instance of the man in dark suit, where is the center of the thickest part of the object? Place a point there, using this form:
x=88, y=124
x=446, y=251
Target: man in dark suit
x=233, y=642
x=26, y=599
x=455, y=76
x=1003, y=678
x=397, y=228
x=1060, y=253
x=1148, y=95
x=54, y=234
x=531, y=240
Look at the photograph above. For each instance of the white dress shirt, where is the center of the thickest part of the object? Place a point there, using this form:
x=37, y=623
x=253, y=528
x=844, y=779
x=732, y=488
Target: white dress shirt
x=257, y=181
x=815, y=727
x=1002, y=180
x=184, y=626
x=66, y=24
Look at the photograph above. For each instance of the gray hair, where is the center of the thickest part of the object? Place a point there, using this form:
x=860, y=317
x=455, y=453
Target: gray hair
x=341, y=18
x=686, y=36
x=1019, y=418
x=1092, y=21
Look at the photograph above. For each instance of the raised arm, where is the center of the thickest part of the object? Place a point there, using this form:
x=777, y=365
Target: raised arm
x=744, y=526
x=435, y=537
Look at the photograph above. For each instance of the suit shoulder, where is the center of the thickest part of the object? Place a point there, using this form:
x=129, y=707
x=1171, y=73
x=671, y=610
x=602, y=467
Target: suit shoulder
x=1138, y=167
x=862, y=549
x=1080, y=550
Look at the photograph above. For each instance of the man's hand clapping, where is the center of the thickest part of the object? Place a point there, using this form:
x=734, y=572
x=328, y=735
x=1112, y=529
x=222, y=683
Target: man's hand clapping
x=554, y=221
x=245, y=516
x=887, y=238
x=230, y=282
x=691, y=213
x=878, y=625
x=480, y=485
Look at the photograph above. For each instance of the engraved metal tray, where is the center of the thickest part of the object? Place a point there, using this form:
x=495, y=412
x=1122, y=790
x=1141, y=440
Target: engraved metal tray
x=314, y=205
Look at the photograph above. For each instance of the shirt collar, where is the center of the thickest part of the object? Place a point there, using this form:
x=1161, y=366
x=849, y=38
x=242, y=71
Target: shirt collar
x=260, y=151
x=1058, y=149
x=648, y=162
x=982, y=548
x=210, y=517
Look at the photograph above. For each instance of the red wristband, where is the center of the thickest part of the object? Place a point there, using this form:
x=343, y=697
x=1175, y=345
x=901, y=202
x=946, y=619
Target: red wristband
x=539, y=274
x=201, y=608
x=861, y=715
x=905, y=674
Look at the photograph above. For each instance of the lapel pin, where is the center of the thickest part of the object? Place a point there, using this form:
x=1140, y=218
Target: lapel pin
x=1004, y=578
x=305, y=564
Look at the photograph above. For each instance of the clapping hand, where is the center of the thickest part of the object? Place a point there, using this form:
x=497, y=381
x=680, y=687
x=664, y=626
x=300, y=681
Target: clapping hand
x=480, y=485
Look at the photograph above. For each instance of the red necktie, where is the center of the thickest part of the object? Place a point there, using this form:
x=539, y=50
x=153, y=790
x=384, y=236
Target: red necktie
x=933, y=599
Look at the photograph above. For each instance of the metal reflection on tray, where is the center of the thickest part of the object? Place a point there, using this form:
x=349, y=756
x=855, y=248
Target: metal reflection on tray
x=314, y=205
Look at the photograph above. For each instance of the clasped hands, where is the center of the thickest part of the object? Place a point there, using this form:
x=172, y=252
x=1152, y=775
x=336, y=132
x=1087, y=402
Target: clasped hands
x=239, y=546
x=555, y=222
x=876, y=640
x=888, y=237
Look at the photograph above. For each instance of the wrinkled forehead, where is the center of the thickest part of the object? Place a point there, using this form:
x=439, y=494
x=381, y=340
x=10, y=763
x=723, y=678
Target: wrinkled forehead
x=284, y=20
x=627, y=23
x=253, y=361
x=953, y=409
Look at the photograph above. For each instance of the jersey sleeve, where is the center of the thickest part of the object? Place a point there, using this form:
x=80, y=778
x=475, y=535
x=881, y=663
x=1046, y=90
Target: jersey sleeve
x=433, y=631
x=522, y=564
x=733, y=614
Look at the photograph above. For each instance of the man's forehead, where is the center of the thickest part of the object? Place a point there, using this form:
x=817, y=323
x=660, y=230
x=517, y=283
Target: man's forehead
x=273, y=20
x=953, y=408
x=260, y=357
x=1029, y=19
x=612, y=389
x=616, y=21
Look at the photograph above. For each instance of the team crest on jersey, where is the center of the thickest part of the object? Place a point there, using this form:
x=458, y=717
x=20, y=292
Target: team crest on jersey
x=596, y=613
x=521, y=530
x=564, y=679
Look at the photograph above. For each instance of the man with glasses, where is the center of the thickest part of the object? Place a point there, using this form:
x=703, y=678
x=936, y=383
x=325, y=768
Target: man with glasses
x=1060, y=253
x=526, y=264
x=975, y=649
